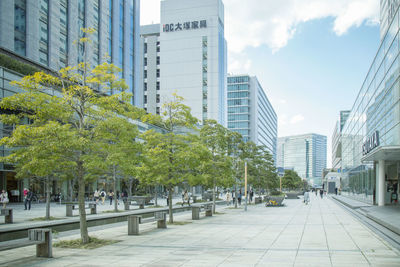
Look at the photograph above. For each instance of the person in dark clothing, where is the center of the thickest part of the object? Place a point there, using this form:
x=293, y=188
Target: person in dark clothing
x=251, y=195
x=321, y=193
x=28, y=199
x=240, y=197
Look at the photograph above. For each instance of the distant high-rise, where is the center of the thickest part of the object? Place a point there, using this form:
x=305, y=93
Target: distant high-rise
x=150, y=67
x=337, y=140
x=306, y=154
x=250, y=113
x=45, y=31
x=193, y=56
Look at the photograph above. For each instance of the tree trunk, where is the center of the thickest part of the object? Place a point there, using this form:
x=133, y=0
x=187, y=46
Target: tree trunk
x=171, y=216
x=81, y=201
x=71, y=190
x=130, y=187
x=236, y=198
x=48, y=180
x=214, y=196
x=115, y=187
x=155, y=196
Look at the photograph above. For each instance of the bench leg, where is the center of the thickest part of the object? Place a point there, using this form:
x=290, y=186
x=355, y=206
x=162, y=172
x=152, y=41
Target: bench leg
x=195, y=213
x=133, y=225
x=68, y=211
x=126, y=205
x=141, y=206
x=93, y=208
x=45, y=249
x=9, y=218
x=209, y=212
x=162, y=223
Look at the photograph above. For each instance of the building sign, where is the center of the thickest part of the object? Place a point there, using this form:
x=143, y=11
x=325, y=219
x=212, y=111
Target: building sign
x=188, y=25
x=371, y=143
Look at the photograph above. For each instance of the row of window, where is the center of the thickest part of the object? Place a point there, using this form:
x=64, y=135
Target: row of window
x=238, y=87
x=157, y=47
x=157, y=73
x=239, y=79
x=157, y=61
x=157, y=99
x=157, y=86
x=204, y=76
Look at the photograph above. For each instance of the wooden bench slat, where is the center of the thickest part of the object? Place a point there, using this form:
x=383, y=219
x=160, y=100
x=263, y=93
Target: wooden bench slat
x=20, y=243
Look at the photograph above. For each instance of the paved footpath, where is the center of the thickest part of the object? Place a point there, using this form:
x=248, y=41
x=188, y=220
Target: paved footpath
x=318, y=234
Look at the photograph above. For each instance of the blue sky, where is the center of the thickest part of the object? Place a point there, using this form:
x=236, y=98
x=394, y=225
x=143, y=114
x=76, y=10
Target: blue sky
x=310, y=56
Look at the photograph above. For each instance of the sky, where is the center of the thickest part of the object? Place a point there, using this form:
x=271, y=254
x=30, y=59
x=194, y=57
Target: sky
x=310, y=56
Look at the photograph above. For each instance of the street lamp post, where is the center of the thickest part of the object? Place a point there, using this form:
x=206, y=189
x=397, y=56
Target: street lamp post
x=245, y=185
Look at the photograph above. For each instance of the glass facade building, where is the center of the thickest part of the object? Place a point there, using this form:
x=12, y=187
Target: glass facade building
x=371, y=135
x=45, y=32
x=305, y=154
x=250, y=113
x=337, y=140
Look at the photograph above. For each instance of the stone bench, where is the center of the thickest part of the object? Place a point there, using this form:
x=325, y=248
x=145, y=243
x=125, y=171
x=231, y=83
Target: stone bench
x=258, y=200
x=134, y=220
x=71, y=207
x=42, y=238
x=196, y=209
x=8, y=215
x=128, y=203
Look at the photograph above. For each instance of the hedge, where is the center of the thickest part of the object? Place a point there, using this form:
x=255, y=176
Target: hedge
x=15, y=65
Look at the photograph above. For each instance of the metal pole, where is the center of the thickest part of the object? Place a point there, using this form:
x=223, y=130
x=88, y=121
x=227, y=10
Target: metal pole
x=245, y=185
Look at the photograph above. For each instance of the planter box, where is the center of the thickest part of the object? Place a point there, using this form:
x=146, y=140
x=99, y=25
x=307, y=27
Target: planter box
x=274, y=200
x=293, y=195
x=258, y=200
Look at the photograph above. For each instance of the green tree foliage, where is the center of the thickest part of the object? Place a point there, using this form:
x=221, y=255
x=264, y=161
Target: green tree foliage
x=291, y=180
x=218, y=170
x=172, y=158
x=69, y=101
x=261, y=169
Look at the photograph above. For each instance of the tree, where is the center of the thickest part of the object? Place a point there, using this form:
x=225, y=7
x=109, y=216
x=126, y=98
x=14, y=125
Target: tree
x=234, y=142
x=117, y=152
x=171, y=157
x=79, y=99
x=218, y=170
x=40, y=151
x=261, y=169
x=291, y=180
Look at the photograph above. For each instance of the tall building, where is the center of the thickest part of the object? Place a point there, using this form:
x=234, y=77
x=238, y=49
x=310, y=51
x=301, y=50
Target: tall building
x=45, y=31
x=337, y=140
x=150, y=67
x=371, y=135
x=306, y=154
x=250, y=113
x=193, y=56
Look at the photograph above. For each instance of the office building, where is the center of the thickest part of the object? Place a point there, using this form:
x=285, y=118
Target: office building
x=150, y=67
x=46, y=31
x=306, y=154
x=371, y=135
x=193, y=56
x=337, y=140
x=250, y=113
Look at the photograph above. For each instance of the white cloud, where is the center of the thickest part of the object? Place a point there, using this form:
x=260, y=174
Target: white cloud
x=296, y=119
x=282, y=120
x=253, y=23
x=273, y=23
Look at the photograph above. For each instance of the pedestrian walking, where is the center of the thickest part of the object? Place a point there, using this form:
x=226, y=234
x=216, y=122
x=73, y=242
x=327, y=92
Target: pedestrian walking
x=251, y=195
x=4, y=198
x=228, y=198
x=28, y=199
x=117, y=198
x=96, y=196
x=306, y=197
x=240, y=197
x=336, y=189
x=111, y=196
x=186, y=198
x=321, y=193
x=103, y=196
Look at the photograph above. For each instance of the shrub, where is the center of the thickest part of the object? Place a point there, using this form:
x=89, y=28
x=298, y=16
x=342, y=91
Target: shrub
x=13, y=64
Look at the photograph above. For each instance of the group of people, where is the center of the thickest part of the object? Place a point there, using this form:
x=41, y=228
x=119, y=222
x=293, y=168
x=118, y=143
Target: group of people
x=307, y=195
x=100, y=195
x=231, y=197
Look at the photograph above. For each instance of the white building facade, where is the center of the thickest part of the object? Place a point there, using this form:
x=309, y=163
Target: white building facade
x=250, y=112
x=193, y=56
